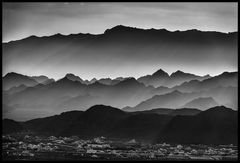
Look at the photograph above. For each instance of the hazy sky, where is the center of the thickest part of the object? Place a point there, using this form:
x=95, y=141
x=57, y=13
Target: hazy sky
x=21, y=20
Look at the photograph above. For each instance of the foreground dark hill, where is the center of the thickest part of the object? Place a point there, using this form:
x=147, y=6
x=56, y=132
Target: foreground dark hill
x=54, y=124
x=216, y=125
x=11, y=126
x=98, y=120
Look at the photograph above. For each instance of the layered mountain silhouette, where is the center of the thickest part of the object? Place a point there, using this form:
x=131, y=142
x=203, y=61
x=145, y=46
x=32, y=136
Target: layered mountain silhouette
x=73, y=93
x=222, y=95
x=161, y=78
x=14, y=80
x=225, y=79
x=180, y=77
x=174, y=99
x=120, y=41
x=156, y=79
x=216, y=125
x=20, y=81
x=159, y=107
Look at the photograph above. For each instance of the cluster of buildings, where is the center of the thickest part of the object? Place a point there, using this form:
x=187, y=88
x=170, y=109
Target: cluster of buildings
x=50, y=147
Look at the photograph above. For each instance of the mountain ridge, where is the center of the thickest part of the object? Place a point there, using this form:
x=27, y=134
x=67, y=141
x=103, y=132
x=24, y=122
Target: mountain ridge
x=124, y=27
x=115, y=123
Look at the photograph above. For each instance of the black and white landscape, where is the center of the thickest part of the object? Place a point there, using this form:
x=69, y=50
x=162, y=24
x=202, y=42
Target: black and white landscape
x=128, y=93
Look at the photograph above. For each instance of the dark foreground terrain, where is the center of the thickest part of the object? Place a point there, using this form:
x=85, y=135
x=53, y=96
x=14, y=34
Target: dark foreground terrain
x=107, y=133
x=28, y=146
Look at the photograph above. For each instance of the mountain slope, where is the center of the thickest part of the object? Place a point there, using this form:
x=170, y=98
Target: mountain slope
x=175, y=99
x=202, y=103
x=225, y=79
x=156, y=79
x=216, y=125
x=10, y=126
x=180, y=77
x=16, y=89
x=40, y=79
x=14, y=80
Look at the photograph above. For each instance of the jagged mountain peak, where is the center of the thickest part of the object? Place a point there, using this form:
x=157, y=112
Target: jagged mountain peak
x=93, y=80
x=73, y=77
x=160, y=73
x=119, y=28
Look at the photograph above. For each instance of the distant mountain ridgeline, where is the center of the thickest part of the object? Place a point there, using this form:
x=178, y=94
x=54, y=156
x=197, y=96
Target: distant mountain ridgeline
x=217, y=125
x=21, y=92
x=123, y=41
x=180, y=89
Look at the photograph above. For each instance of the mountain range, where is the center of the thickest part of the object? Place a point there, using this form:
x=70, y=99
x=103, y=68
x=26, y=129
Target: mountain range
x=41, y=93
x=26, y=93
x=161, y=78
x=118, y=45
x=217, y=125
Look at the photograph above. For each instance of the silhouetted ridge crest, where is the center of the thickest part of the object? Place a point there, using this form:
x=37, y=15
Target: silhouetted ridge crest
x=103, y=110
x=12, y=74
x=161, y=73
x=218, y=110
x=229, y=74
x=70, y=75
x=120, y=28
